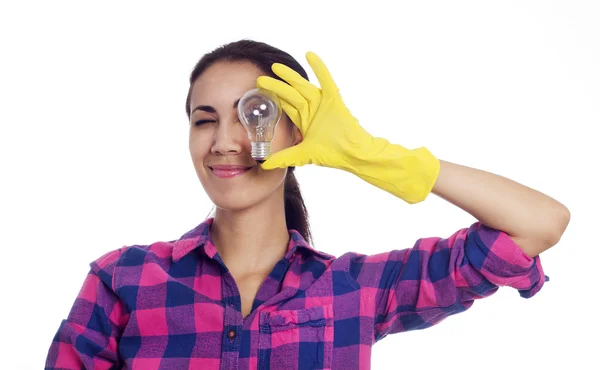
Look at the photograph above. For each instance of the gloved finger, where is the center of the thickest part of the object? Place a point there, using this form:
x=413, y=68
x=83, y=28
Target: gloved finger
x=288, y=157
x=293, y=114
x=292, y=102
x=310, y=92
x=328, y=86
x=283, y=91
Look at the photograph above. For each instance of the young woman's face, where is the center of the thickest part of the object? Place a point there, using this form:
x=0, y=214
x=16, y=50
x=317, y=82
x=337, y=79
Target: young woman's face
x=219, y=143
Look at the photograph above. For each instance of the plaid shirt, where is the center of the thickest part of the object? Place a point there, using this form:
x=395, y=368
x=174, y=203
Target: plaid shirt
x=174, y=305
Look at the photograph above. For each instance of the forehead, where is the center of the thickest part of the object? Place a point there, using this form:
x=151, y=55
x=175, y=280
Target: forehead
x=224, y=82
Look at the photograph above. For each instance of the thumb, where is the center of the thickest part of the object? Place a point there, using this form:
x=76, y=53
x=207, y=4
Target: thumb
x=292, y=156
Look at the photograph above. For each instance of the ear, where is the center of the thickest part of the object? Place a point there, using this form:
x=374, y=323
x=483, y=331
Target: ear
x=297, y=135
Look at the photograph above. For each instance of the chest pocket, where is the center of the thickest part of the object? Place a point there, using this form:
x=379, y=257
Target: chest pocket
x=298, y=339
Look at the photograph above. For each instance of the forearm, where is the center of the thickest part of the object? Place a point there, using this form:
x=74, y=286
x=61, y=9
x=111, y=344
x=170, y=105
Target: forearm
x=534, y=220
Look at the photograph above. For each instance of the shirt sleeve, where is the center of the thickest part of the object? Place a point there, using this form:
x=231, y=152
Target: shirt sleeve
x=418, y=287
x=88, y=338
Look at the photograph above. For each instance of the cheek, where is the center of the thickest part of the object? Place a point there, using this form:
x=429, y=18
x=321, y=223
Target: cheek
x=199, y=145
x=271, y=179
x=283, y=135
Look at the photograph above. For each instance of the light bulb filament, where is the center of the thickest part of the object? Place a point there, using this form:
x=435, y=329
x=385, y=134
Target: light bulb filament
x=260, y=130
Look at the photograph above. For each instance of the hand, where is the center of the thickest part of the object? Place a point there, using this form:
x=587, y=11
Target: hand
x=334, y=138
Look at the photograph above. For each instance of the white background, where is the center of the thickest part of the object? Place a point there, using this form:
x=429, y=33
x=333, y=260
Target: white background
x=94, y=156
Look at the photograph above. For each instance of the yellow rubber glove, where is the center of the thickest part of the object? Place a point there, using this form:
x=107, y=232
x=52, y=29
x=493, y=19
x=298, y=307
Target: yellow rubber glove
x=333, y=137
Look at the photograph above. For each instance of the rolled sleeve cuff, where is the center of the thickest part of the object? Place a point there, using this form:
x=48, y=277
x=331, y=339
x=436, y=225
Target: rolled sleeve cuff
x=505, y=263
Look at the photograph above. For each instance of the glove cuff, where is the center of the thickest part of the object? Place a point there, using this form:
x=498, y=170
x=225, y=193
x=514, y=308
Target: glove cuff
x=407, y=174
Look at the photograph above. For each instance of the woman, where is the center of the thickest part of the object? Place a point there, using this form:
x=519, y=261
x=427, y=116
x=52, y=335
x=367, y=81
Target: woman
x=246, y=290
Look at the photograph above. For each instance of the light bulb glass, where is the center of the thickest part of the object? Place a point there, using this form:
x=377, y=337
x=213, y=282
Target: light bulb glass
x=259, y=111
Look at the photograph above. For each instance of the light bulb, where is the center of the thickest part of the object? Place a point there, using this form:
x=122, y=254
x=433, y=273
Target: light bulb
x=259, y=111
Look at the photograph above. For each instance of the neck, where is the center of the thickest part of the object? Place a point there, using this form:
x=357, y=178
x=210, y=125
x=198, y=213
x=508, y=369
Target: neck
x=252, y=239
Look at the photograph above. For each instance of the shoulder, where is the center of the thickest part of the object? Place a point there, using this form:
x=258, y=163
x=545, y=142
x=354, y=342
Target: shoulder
x=356, y=259
x=131, y=256
x=104, y=266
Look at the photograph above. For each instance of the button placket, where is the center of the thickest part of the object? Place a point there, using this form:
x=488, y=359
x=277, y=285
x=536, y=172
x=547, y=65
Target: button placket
x=231, y=334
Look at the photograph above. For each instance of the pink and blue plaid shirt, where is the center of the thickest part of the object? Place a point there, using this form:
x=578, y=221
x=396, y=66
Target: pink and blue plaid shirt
x=174, y=305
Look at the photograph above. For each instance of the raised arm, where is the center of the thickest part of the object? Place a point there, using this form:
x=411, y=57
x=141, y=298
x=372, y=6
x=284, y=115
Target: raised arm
x=418, y=287
x=532, y=219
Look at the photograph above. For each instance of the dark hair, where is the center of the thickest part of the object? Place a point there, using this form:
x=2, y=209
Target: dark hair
x=263, y=56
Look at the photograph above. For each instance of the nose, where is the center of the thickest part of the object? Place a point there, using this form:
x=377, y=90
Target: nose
x=229, y=138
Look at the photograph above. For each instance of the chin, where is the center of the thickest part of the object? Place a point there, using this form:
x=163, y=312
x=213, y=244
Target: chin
x=237, y=199
x=233, y=203
x=240, y=195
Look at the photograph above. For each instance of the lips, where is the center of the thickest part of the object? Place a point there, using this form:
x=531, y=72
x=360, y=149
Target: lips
x=228, y=171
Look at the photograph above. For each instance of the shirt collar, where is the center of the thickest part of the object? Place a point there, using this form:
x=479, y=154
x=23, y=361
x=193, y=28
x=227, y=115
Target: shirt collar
x=195, y=238
x=199, y=237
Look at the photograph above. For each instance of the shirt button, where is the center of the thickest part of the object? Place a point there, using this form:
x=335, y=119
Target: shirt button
x=231, y=334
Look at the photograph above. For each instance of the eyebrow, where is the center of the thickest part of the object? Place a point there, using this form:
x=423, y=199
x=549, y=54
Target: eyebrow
x=210, y=109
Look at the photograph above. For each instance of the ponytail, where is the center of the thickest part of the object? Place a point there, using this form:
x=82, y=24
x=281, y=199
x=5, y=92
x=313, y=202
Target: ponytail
x=296, y=215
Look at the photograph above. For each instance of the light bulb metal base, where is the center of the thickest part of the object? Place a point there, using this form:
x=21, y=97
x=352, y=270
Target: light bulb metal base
x=260, y=150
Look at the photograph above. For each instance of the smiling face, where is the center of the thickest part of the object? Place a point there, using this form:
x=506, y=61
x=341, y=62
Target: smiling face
x=219, y=143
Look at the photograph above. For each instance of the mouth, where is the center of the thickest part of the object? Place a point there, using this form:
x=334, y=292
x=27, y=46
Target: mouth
x=226, y=172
